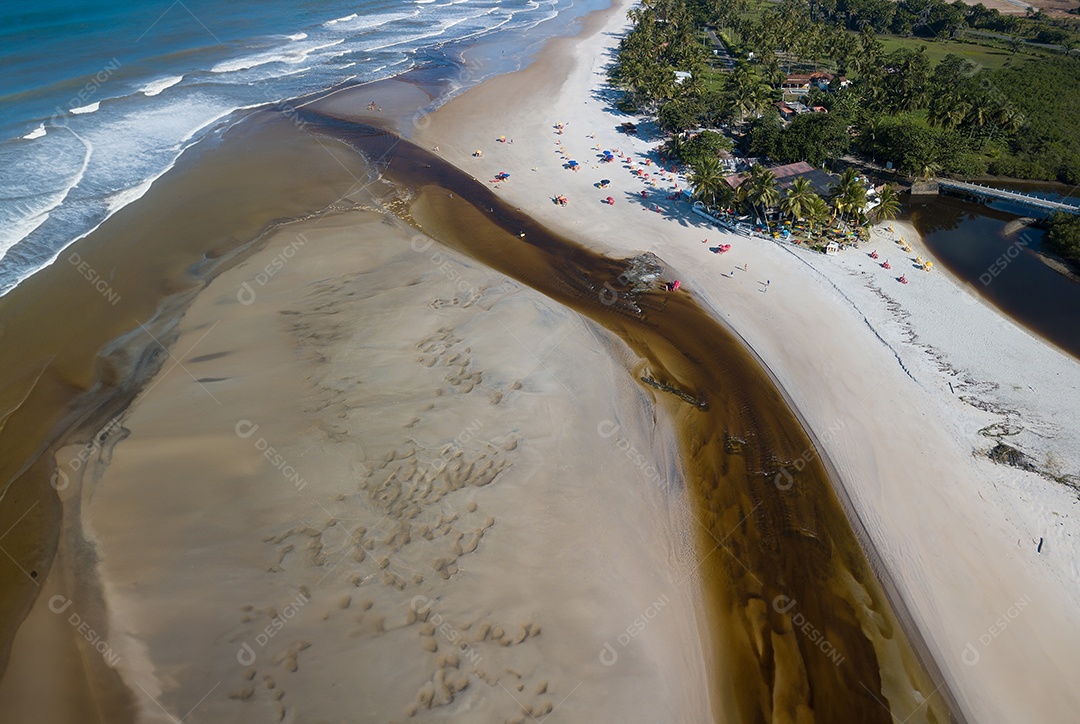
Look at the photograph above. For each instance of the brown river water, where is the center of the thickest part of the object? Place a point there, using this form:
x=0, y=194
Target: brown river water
x=801, y=625
x=802, y=628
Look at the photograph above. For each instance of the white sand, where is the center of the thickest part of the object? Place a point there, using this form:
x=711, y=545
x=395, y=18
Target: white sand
x=867, y=362
x=446, y=534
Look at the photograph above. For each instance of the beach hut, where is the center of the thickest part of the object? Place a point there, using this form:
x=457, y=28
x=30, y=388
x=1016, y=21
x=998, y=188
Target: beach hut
x=832, y=248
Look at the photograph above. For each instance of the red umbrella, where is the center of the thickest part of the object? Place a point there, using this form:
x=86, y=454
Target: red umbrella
x=610, y=200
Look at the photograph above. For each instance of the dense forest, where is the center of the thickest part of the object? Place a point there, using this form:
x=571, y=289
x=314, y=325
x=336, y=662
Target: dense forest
x=1064, y=236
x=925, y=115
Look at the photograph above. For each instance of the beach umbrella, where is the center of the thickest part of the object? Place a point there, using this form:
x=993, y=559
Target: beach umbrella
x=605, y=181
x=610, y=200
x=572, y=163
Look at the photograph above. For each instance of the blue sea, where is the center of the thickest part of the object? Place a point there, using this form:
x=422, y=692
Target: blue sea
x=98, y=97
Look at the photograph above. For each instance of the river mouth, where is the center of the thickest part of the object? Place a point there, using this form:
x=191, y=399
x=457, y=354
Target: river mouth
x=801, y=627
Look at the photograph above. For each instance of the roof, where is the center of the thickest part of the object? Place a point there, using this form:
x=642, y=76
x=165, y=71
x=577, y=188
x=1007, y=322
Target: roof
x=807, y=78
x=786, y=175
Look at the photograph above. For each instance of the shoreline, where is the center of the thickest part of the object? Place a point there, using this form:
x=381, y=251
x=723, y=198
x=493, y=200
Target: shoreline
x=52, y=382
x=113, y=627
x=59, y=367
x=768, y=357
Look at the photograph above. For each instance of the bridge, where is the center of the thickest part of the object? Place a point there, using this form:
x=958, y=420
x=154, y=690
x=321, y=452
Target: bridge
x=982, y=193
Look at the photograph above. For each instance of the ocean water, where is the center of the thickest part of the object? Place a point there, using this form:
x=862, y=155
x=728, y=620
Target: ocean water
x=100, y=97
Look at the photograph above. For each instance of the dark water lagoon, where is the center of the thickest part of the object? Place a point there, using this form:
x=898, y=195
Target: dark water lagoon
x=1002, y=260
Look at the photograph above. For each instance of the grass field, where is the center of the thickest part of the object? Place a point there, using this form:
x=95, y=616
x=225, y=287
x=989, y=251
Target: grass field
x=936, y=50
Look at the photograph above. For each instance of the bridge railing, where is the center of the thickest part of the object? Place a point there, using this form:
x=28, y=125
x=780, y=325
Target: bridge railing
x=1007, y=195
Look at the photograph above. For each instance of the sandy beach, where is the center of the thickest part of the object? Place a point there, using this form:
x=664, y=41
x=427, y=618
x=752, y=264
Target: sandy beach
x=351, y=474
x=868, y=364
x=442, y=533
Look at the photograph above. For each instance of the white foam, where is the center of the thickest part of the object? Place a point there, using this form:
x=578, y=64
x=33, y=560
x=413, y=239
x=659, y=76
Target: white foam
x=32, y=217
x=335, y=21
x=122, y=198
x=119, y=199
x=369, y=22
x=152, y=89
x=441, y=29
x=281, y=55
x=90, y=108
x=133, y=150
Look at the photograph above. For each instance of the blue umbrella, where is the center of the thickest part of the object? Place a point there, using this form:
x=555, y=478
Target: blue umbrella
x=572, y=163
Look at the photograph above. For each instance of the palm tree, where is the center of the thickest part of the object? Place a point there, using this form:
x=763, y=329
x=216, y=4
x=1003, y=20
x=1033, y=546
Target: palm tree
x=927, y=170
x=848, y=194
x=817, y=211
x=674, y=146
x=796, y=202
x=710, y=186
x=748, y=93
x=889, y=204
x=761, y=192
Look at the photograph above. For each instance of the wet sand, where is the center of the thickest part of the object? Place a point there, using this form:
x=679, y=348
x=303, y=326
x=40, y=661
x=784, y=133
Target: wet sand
x=752, y=517
x=56, y=325
x=390, y=455
x=441, y=526
x=762, y=550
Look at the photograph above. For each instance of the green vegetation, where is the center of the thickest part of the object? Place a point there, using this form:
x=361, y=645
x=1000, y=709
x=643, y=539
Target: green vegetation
x=811, y=137
x=1064, y=236
x=1045, y=96
x=704, y=145
x=924, y=102
x=664, y=39
x=937, y=51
